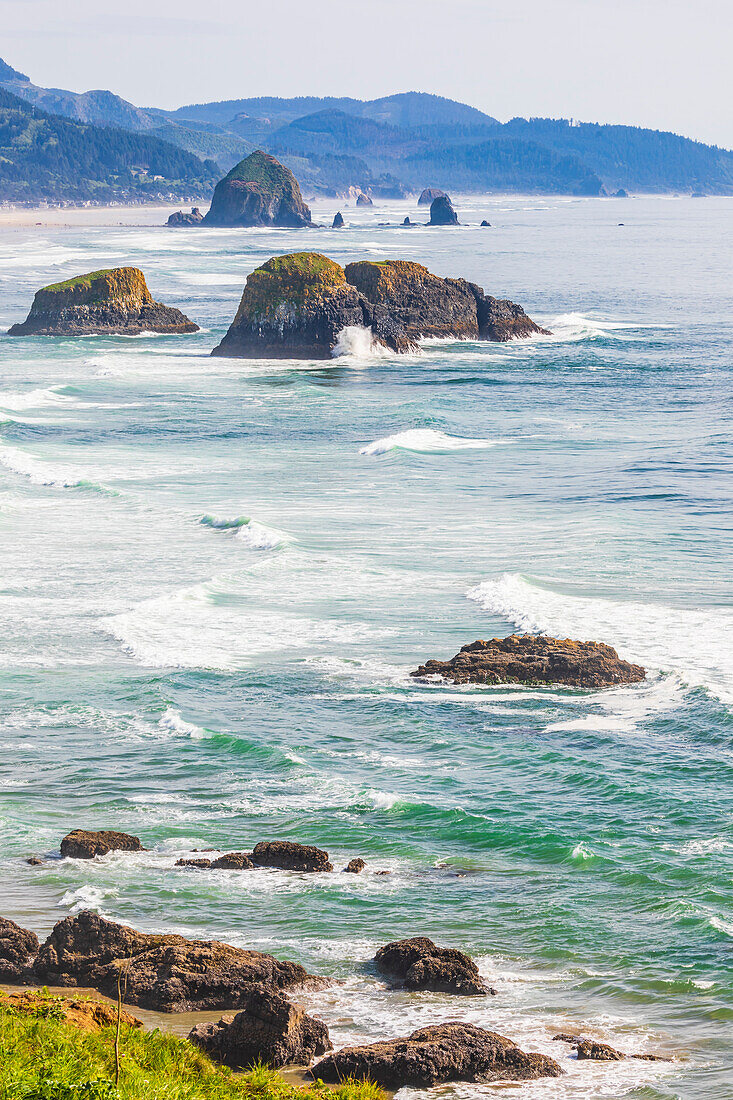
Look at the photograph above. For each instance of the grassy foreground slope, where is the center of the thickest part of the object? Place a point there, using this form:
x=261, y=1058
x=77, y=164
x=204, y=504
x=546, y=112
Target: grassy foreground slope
x=44, y=1057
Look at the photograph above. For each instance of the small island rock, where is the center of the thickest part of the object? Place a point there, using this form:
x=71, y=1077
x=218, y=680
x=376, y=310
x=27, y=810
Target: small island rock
x=269, y=1029
x=485, y=224
x=442, y=212
x=338, y=220
x=364, y=200
x=113, y=302
x=419, y=964
x=535, y=659
x=82, y=844
x=258, y=191
x=288, y=856
x=435, y=1054
x=430, y=194
x=180, y=219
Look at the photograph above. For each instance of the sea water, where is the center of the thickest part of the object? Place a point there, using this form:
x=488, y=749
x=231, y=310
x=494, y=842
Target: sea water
x=217, y=575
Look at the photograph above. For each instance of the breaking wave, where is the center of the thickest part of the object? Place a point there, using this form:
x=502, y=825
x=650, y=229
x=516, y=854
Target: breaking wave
x=425, y=441
x=255, y=535
x=357, y=342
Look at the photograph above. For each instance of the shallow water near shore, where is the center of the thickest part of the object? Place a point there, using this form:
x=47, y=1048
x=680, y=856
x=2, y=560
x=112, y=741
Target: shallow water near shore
x=218, y=574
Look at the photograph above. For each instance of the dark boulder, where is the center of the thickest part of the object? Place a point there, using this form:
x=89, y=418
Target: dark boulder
x=442, y=212
x=485, y=224
x=355, y=866
x=233, y=861
x=363, y=200
x=430, y=194
x=112, y=302
x=268, y=1029
x=180, y=219
x=536, y=659
x=199, y=864
x=18, y=948
x=432, y=1055
x=338, y=220
x=288, y=856
x=258, y=191
x=407, y=221
x=34, y=861
x=592, y=1050
x=501, y=320
x=419, y=964
x=167, y=973
x=81, y=844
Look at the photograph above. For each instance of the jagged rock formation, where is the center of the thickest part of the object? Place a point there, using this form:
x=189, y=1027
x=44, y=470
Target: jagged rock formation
x=18, y=948
x=112, y=302
x=338, y=220
x=81, y=844
x=180, y=219
x=295, y=307
x=363, y=200
x=258, y=191
x=442, y=212
x=431, y=1055
x=529, y=658
x=164, y=972
x=269, y=1029
x=86, y=1013
x=419, y=964
x=591, y=1049
x=429, y=195
x=485, y=224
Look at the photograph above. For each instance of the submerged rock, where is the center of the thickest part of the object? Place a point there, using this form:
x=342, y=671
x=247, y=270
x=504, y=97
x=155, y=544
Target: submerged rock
x=18, y=948
x=180, y=219
x=432, y=1055
x=364, y=200
x=86, y=1013
x=269, y=1029
x=112, y=302
x=530, y=658
x=430, y=194
x=338, y=220
x=419, y=964
x=199, y=864
x=442, y=212
x=82, y=844
x=258, y=191
x=164, y=972
x=288, y=856
x=592, y=1050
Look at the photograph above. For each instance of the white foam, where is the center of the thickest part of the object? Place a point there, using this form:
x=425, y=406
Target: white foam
x=173, y=722
x=255, y=535
x=569, y=328
x=19, y=401
x=49, y=474
x=425, y=441
x=357, y=342
x=694, y=644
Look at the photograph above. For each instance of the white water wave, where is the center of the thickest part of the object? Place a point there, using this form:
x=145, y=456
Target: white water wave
x=425, y=441
x=695, y=645
x=357, y=342
x=49, y=474
x=570, y=328
x=255, y=535
x=19, y=401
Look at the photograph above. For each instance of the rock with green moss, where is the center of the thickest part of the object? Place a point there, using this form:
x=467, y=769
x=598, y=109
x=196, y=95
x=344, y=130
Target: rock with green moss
x=112, y=302
x=258, y=191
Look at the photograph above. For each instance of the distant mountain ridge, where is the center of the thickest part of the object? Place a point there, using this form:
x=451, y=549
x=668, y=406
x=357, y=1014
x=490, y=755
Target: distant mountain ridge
x=400, y=143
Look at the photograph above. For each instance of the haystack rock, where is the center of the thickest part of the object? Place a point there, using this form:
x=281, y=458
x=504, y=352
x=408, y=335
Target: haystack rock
x=433, y=1055
x=295, y=307
x=338, y=220
x=419, y=964
x=18, y=948
x=442, y=212
x=82, y=844
x=269, y=1029
x=364, y=200
x=114, y=302
x=258, y=191
x=181, y=219
x=430, y=194
x=535, y=659
x=164, y=972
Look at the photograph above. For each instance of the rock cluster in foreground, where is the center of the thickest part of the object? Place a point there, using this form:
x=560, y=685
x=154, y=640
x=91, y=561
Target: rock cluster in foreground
x=296, y=306
x=535, y=659
x=18, y=948
x=258, y=191
x=419, y=964
x=431, y=1055
x=83, y=844
x=115, y=302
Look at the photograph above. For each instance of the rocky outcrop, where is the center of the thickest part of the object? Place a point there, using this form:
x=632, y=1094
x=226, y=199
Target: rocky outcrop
x=198, y=864
x=288, y=856
x=407, y=221
x=86, y=1013
x=268, y=1029
x=113, y=302
x=233, y=861
x=164, y=972
x=181, y=219
x=429, y=195
x=419, y=964
x=295, y=307
x=363, y=200
x=592, y=1050
x=18, y=948
x=485, y=224
x=258, y=191
x=355, y=866
x=536, y=659
x=338, y=220
x=442, y=212
x=432, y=1055
x=82, y=844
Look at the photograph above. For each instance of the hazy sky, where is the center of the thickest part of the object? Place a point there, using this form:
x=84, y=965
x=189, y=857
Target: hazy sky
x=660, y=63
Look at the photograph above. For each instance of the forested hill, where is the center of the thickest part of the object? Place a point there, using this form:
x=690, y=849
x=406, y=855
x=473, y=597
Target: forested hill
x=45, y=157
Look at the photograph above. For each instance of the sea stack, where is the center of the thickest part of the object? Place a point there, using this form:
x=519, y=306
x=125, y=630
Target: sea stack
x=442, y=212
x=363, y=200
x=258, y=191
x=180, y=219
x=430, y=194
x=115, y=302
x=338, y=220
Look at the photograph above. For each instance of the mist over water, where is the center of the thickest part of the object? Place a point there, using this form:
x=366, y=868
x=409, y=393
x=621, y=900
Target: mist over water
x=218, y=574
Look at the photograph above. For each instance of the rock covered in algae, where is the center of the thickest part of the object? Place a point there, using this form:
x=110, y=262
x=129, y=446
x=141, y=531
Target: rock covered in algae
x=258, y=191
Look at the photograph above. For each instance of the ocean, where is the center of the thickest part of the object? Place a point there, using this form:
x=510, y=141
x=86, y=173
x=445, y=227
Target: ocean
x=217, y=575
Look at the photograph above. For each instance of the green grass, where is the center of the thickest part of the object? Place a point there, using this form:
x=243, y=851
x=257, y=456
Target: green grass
x=43, y=1057
x=80, y=280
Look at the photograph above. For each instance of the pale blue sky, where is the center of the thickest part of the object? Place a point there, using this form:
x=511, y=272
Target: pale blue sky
x=661, y=63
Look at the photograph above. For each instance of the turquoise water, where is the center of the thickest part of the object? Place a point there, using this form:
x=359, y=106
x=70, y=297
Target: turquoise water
x=217, y=575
